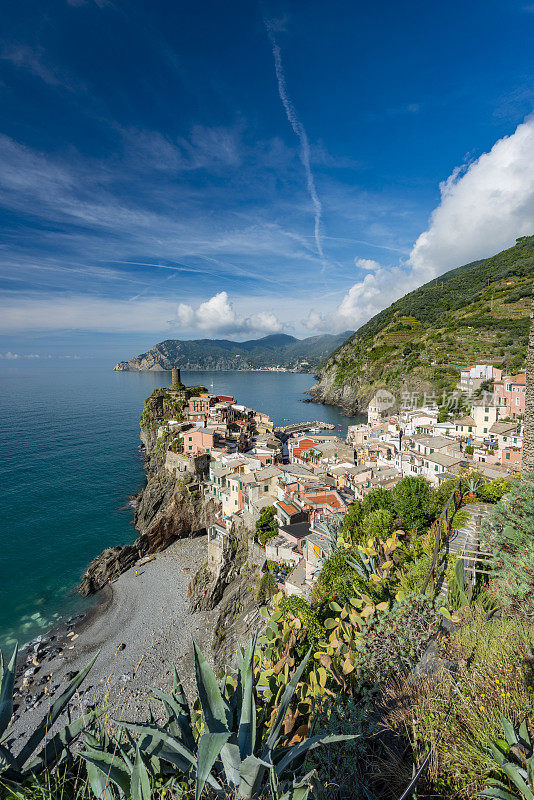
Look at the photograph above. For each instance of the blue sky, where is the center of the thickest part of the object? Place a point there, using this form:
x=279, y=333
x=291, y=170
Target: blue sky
x=235, y=169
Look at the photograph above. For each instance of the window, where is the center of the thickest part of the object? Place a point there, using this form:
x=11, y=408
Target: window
x=486, y=410
x=508, y=456
x=265, y=488
x=485, y=430
x=435, y=467
x=486, y=419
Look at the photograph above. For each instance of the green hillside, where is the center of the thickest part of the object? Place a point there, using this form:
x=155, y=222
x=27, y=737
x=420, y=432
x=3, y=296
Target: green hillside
x=476, y=313
x=277, y=350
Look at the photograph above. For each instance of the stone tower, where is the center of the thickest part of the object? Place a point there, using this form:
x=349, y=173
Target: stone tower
x=175, y=379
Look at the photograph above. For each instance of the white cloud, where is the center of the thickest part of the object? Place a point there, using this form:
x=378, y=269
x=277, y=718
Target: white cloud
x=484, y=207
x=315, y=321
x=217, y=315
x=367, y=264
x=149, y=315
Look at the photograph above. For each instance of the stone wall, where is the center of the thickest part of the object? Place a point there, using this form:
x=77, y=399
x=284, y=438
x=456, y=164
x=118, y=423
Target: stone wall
x=178, y=464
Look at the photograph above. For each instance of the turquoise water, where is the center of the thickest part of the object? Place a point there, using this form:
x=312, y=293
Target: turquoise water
x=69, y=460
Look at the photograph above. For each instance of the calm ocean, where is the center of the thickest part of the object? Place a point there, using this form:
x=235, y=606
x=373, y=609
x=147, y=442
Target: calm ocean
x=69, y=459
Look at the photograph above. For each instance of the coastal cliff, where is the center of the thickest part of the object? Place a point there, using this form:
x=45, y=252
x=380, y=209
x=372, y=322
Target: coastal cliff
x=230, y=593
x=168, y=508
x=478, y=313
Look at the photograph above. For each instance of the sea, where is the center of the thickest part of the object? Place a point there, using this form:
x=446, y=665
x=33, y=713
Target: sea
x=70, y=462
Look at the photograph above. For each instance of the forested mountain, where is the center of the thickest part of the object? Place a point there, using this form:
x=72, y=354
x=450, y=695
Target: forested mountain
x=277, y=350
x=478, y=313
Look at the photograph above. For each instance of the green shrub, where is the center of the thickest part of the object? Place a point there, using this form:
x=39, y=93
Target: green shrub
x=265, y=588
x=492, y=491
x=378, y=523
x=266, y=526
x=491, y=679
x=398, y=638
x=308, y=615
x=414, y=502
x=508, y=533
x=339, y=581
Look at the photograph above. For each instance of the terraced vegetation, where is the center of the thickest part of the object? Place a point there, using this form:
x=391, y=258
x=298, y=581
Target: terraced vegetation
x=476, y=313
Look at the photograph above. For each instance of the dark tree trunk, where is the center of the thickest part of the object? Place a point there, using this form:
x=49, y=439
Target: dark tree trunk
x=528, y=442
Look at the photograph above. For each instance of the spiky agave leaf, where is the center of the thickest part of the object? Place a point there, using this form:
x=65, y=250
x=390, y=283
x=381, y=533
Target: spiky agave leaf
x=209, y=749
x=178, y=719
x=50, y=718
x=112, y=768
x=60, y=742
x=288, y=755
x=214, y=709
x=247, y=720
x=139, y=780
x=6, y=691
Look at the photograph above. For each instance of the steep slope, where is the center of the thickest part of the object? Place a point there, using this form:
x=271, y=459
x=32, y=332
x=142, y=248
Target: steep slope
x=476, y=313
x=277, y=350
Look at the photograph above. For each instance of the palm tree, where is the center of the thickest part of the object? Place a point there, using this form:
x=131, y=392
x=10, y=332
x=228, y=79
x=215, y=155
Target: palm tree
x=528, y=442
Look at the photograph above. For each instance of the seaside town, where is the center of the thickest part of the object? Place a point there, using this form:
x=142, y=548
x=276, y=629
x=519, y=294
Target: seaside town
x=287, y=482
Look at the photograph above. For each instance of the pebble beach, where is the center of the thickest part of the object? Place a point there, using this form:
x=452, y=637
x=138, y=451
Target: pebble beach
x=141, y=629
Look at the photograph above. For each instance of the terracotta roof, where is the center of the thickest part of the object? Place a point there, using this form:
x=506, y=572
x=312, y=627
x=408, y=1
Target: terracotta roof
x=328, y=497
x=289, y=508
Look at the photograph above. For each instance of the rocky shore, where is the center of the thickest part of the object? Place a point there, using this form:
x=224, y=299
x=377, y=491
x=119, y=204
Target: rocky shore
x=141, y=624
x=152, y=597
x=141, y=629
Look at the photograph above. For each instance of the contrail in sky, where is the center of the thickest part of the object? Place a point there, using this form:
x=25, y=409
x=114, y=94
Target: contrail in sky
x=300, y=132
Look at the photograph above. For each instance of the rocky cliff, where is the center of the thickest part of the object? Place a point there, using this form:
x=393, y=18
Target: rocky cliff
x=230, y=594
x=167, y=509
x=478, y=313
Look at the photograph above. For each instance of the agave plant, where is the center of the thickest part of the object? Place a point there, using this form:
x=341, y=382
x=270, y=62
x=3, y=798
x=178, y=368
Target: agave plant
x=472, y=485
x=16, y=769
x=514, y=760
x=236, y=754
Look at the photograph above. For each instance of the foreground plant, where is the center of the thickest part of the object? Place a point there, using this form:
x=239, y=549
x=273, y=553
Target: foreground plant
x=236, y=753
x=514, y=759
x=18, y=769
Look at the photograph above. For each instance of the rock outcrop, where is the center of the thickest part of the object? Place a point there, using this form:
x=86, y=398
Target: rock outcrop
x=167, y=509
x=231, y=595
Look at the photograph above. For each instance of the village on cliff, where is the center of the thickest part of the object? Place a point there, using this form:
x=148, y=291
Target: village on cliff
x=290, y=481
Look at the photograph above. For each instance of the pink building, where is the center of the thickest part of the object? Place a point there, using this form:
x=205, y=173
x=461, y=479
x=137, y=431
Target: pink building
x=510, y=395
x=200, y=440
x=512, y=457
x=323, y=502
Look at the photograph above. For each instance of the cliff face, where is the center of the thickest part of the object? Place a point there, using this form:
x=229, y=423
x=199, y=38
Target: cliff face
x=331, y=390
x=478, y=313
x=167, y=509
x=231, y=596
